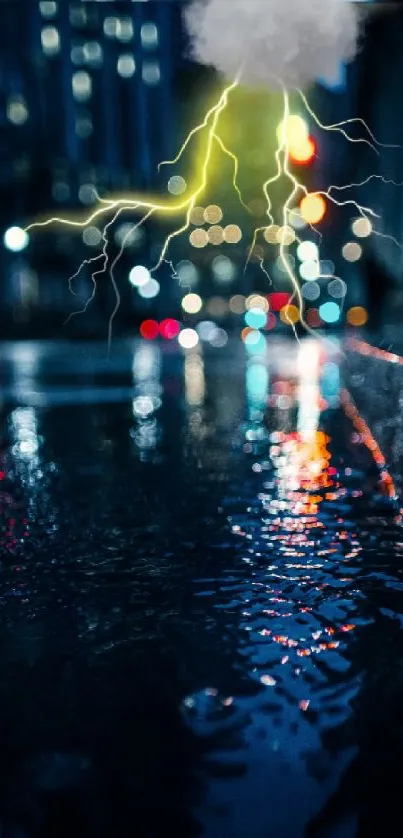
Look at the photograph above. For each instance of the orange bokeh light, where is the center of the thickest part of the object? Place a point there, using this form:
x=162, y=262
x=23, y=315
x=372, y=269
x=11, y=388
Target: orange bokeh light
x=313, y=208
x=304, y=152
x=357, y=316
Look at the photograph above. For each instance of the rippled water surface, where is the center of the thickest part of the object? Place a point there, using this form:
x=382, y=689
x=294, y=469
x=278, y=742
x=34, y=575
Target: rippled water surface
x=201, y=596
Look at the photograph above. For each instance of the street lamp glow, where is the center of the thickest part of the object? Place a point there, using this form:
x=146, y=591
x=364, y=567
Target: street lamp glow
x=188, y=338
x=139, y=275
x=15, y=239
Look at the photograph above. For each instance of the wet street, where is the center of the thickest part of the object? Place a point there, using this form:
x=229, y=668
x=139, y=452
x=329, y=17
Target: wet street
x=200, y=591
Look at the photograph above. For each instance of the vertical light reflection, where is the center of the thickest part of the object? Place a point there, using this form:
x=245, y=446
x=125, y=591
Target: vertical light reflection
x=195, y=383
x=308, y=365
x=147, y=390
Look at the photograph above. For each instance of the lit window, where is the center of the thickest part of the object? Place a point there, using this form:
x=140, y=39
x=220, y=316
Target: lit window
x=149, y=36
x=84, y=127
x=17, y=111
x=92, y=52
x=82, y=85
x=50, y=40
x=124, y=29
x=111, y=24
x=77, y=54
x=151, y=72
x=126, y=66
x=48, y=8
x=78, y=15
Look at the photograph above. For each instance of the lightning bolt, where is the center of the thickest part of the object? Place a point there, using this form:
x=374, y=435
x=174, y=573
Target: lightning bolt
x=148, y=208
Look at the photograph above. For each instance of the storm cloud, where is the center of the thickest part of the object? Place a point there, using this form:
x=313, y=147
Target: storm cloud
x=274, y=42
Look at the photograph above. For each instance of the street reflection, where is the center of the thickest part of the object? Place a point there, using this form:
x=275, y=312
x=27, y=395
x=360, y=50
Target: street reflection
x=199, y=570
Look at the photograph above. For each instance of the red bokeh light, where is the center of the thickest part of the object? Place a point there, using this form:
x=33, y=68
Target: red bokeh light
x=278, y=300
x=313, y=318
x=304, y=153
x=149, y=329
x=169, y=328
x=271, y=321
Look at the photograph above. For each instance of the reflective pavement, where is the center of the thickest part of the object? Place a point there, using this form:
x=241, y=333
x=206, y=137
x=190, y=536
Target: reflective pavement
x=200, y=592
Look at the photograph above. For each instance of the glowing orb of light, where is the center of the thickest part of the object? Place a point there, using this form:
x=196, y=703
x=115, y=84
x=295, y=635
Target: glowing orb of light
x=304, y=152
x=188, y=338
x=169, y=328
x=309, y=271
x=255, y=342
x=290, y=315
x=357, y=316
x=15, y=239
x=313, y=208
x=150, y=289
x=352, y=251
x=256, y=318
x=139, y=275
x=213, y=214
x=192, y=303
x=307, y=251
x=149, y=329
x=362, y=228
x=329, y=312
x=177, y=185
x=207, y=330
x=293, y=130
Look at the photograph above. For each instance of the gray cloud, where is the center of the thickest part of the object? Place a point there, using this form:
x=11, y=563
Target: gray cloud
x=289, y=42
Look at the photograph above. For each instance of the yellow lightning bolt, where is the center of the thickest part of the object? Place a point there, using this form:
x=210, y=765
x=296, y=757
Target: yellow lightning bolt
x=114, y=206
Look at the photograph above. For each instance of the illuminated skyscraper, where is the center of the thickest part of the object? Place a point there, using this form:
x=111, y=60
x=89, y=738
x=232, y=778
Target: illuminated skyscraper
x=88, y=93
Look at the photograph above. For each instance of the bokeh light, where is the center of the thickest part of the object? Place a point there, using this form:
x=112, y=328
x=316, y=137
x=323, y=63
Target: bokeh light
x=169, y=328
x=232, y=234
x=307, y=251
x=337, y=288
x=290, y=314
x=309, y=270
x=357, y=316
x=198, y=238
x=352, y=251
x=311, y=291
x=362, y=228
x=304, y=152
x=150, y=289
x=177, y=185
x=197, y=216
x=188, y=338
x=257, y=301
x=285, y=236
x=279, y=299
x=313, y=208
x=329, y=312
x=149, y=329
x=237, y=304
x=213, y=214
x=271, y=233
x=187, y=272
x=215, y=234
x=139, y=275
x=192, y=303
x=15, y=239
x=255, y=318
x=294, y=131
x=223, y=269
